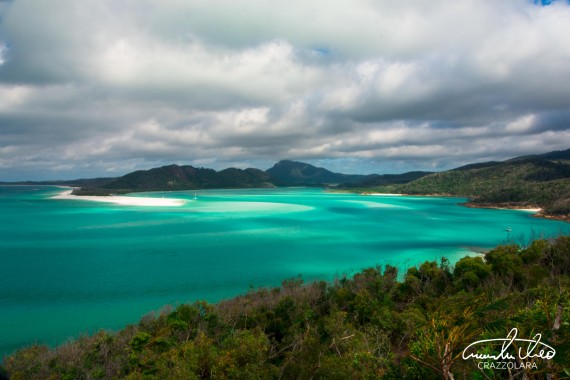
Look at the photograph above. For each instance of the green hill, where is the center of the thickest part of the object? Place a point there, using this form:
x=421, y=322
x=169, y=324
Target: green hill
x=531, y=181
x=293, y=173
x=387, y=179
x=174, y=177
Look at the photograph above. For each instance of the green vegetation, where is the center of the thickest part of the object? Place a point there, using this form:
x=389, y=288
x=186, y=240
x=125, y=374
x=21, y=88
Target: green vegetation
x=293, y=173
x=97, y=191
x=370, y=326
x=174, y=177
x=536, y=181
x=387, y=179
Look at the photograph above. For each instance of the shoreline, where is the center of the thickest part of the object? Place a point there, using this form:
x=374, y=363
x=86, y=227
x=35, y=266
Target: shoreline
x=122, y=200
x=500, y=206
x=537, y=212
x=384, y=194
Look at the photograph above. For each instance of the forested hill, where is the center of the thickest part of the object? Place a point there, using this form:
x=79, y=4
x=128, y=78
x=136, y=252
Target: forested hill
x=293, y=173
x=174, y=177
x=530, y=181
x=386, y=179
x=370, y=326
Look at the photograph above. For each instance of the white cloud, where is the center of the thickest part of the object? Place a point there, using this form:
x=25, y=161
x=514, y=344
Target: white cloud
x=3, y=52
x=138, y=82
x=13, y=97
x=522, y=124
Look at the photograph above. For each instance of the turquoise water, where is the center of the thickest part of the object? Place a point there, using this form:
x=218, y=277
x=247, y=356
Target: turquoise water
x=69, y=267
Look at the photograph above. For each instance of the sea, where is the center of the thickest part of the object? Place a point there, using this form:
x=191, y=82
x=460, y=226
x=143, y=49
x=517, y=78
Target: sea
x=72, y=267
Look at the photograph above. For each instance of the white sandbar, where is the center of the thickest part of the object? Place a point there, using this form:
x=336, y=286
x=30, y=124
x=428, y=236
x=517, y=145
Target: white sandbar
x=530, y=209
x=122, y=200
x=383, y=194
x=374, y=204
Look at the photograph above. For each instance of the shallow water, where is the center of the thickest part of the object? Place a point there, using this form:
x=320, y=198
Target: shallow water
x=72, y=266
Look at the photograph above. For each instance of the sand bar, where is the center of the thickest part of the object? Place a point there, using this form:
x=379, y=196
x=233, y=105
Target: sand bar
x=122, y=200
x=525, y=209
x=534, y=210
x=383, y=194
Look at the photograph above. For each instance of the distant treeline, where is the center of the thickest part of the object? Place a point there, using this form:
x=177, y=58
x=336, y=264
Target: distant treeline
x=370, y=326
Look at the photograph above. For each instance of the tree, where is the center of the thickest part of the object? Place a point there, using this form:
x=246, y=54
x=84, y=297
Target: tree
x=469, y=272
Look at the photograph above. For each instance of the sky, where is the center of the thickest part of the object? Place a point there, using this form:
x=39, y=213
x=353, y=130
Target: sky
x=103, y=87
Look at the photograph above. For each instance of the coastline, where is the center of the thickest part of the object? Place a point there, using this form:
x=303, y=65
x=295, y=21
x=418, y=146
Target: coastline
x=122, y=200
x=384, y=194
x=537, y=212
x=502, y=206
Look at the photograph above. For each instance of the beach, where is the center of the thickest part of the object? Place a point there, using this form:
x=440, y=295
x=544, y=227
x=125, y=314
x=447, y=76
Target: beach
x=123, y=200
x=383, y=194
x=533, y=210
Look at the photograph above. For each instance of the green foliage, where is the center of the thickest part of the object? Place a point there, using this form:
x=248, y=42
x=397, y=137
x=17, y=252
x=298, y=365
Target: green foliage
x=174, y=177
x=139, y=341
x=504, y=260
x=471, y=271
x=292, y=173
x=540, y=181
x=369, y=326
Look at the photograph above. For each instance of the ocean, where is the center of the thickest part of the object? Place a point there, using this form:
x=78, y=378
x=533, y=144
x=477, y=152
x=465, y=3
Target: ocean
x=72, y=267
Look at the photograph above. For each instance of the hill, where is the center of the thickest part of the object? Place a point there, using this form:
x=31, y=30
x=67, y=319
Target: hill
x=186, y=177
x=174, y=177
x=387, y=179
x=530, y=181
x=293, y=173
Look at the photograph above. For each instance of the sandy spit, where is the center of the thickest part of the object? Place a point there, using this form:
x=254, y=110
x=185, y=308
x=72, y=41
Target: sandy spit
x=122, y=200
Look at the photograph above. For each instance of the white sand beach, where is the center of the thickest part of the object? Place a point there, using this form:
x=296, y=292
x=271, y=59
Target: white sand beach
x=533, y=210
x=530, y=209
x=383, y=194
x=122, y=200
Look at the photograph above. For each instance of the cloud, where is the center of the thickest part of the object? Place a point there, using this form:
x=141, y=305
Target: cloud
x=97, y=87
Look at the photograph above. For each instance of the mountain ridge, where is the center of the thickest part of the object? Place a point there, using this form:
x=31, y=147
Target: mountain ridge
x=187, y=177
x=541, y=180
x=283, y=173
x=299, y=173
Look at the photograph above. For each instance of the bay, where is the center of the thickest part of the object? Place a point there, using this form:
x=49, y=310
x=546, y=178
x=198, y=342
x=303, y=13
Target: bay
x=70, y=267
